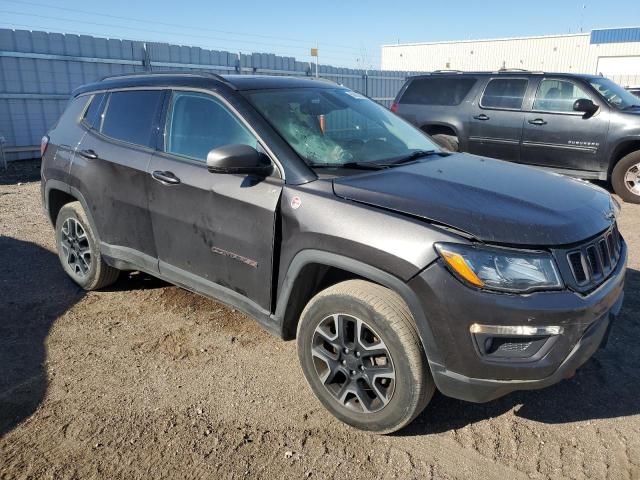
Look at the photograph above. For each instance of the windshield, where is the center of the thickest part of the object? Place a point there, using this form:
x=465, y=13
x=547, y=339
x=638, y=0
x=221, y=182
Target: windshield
x=613, y=93
x=335, y=126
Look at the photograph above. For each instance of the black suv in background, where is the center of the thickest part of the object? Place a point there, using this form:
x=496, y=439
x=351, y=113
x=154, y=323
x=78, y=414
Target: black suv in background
x=399, y=268
x=580, y=125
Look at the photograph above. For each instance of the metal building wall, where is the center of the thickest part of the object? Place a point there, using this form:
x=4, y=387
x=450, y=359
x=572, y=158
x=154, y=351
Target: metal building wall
x=561, y=53
x=39, y=70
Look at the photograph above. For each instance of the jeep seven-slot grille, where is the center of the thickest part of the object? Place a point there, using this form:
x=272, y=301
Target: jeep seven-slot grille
x=592, y=262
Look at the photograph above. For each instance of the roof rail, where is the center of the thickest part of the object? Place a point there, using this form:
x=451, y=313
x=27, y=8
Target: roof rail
x=446, y=70
x=170, y=73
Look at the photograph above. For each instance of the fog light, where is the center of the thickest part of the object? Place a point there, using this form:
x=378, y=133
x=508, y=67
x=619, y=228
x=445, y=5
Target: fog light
x=516, y=330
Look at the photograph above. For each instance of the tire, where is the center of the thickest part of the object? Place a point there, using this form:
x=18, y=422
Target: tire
x=378, y=313
x=448, y=142
x=625, y=178
x=78, y=249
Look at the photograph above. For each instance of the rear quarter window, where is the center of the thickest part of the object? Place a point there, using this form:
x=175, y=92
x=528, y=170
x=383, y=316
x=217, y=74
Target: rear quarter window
x=445, y=91
x=92, y=114
x=132, y=116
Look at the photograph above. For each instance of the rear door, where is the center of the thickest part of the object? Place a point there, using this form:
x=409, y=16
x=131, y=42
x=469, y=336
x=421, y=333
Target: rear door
x=213, y=232
x=495, y=123
x=110, y=168
x=556, y=136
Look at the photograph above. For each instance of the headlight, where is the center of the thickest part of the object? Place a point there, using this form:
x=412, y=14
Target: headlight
x=501, y=269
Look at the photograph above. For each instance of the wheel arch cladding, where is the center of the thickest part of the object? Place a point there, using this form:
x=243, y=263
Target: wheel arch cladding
x=311, y=271
x=621, y=150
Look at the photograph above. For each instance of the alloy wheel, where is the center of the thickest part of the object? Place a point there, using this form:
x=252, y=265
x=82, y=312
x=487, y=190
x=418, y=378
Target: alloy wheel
x=75, y=247
x=353, y=363
x=632, y=179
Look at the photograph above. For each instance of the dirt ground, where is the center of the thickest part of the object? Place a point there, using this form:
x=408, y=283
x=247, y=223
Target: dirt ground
x=145, y=380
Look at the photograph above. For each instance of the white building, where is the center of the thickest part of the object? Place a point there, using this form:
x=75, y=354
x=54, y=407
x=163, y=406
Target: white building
x=613, y=52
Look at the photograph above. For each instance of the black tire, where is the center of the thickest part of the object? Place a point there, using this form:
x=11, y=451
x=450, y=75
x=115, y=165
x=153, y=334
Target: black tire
x=627, y=166
x=79, y=251
x=448, y=142
x=382, y=312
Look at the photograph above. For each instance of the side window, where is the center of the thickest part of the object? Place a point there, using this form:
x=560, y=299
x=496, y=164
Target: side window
x=198, y=123
x=131, y=116
x=504, y=93
x=557, y=95
x=438, y=91
x=92, y=114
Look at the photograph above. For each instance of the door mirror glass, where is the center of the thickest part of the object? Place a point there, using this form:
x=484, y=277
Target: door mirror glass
x=584, y=105
x=238, y=159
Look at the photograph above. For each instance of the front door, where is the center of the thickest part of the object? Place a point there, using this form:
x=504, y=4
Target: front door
x=212, y=231
x=556, y=136
x=495, y=126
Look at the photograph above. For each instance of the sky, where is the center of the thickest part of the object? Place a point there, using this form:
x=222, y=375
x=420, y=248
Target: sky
x=347, y=33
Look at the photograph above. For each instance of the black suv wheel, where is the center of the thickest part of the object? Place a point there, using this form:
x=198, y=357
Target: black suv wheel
x=625, y=178
x=362, y=356
x=78, y=249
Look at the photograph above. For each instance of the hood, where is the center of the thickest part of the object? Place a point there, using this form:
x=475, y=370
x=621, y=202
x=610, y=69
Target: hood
x=492, y=200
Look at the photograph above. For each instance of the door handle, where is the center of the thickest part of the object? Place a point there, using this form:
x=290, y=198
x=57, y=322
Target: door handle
x=482, y=116
x=166, y=178
x=90, y=154
x=537, y=121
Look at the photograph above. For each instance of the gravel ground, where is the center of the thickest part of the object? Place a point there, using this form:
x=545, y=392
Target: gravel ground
x=145, y=380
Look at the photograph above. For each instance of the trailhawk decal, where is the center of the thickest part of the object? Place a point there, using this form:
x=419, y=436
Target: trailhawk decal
x=235, y=256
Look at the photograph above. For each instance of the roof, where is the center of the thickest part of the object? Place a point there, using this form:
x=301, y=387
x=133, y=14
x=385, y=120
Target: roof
x=513, y=72
x=202, y=80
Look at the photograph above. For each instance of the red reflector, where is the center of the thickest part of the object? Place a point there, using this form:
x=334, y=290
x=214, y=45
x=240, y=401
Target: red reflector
x=43, y=145
x=394, y=107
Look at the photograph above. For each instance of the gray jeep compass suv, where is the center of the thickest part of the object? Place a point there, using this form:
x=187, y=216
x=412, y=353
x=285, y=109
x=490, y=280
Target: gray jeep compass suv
x=398, y=267
x=585, y=126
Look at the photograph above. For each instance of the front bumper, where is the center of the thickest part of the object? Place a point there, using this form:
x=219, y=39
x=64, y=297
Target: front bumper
x=462, y=370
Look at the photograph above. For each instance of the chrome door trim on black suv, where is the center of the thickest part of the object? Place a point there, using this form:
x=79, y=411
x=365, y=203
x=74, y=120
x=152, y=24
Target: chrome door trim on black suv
x=595, y=135
x=298, y=201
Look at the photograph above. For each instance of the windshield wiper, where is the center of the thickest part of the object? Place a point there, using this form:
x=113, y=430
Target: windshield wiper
x=628, y=107
x=358, y=165
x=411, y=157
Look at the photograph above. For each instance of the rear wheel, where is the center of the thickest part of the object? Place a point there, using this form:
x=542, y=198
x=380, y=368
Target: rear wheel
x=362, y=356
x=448, y=142
x=625, y=178
x=78, y=249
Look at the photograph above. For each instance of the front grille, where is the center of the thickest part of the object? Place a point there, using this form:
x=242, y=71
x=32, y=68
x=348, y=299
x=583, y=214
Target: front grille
x=592, y=262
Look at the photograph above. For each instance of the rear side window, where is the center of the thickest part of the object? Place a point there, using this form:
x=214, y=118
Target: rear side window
x=92, y=114
x=504, y=93
x=438, y=91
x=132, y=116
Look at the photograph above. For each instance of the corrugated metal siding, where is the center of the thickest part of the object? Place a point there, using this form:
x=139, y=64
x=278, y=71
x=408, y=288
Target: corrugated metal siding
x=562, y=53
x=35, y=81
x=616, y=35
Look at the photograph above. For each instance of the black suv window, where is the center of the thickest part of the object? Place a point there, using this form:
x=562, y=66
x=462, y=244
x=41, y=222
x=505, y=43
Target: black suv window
x=131, y=116
x=557, y=95
x=92, y=114
x=504, y=93
x=198, y=123
x=438, y=91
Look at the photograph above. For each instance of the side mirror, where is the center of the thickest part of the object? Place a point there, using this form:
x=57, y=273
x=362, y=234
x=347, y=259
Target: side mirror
x=238, y=159
x=585, y=105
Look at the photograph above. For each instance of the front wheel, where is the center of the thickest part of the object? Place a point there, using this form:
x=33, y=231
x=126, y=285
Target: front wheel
x=361, y=354
x=625, y=178
x=448, y=142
